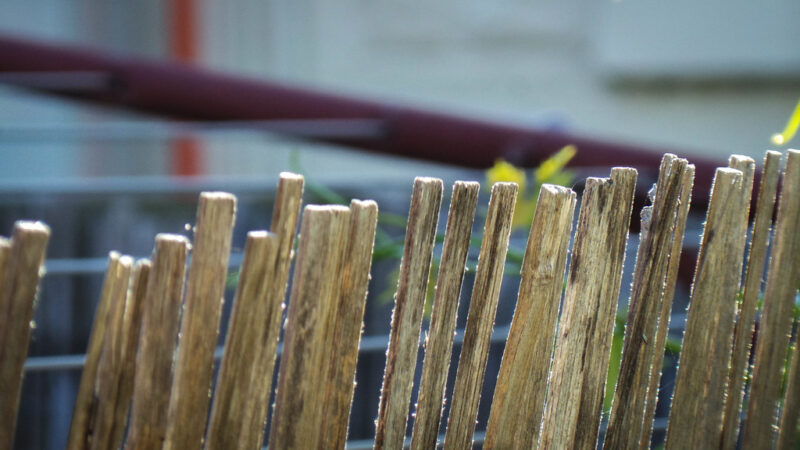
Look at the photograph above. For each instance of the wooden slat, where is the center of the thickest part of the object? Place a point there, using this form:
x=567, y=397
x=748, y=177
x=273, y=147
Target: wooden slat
x=132, y=323
x=159, y=333
x=309, y=328
x=239, y=374
x=697, y=404
x=109, y=369
x=18, y=287
x=522, y=382
x=776, y=317
x=205, y=289
x=480, y=319
x=285, y=216
x=644, y=307
x=401, y=356
x=743, y=333
x=787, y=432
x=349, y=321
x=439, y=346
x=577, y=379
x=673, y=264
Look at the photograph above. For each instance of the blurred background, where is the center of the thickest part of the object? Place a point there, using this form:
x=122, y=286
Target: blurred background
x=702, y=79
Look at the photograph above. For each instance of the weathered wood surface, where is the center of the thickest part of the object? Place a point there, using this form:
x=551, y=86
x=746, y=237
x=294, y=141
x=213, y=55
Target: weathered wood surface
x=233, y=398
x=309, y=328
x=439, y=346
x=480, y=319
x=285, y=217
x=673, y=264
x=743, y=332
x=158, y=336
x=644, y=307
x=131, y=327
x=577, y=379
x=522, y=381
x=401, y=356
x=348, y=323
x=205, y=290
x=19, y=283
x=105, y=388
x=776, y=317
x=787, y=432
x=696, y=415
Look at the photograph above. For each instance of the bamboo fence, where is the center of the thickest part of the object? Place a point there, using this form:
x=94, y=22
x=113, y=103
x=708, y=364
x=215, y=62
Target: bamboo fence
x=147, y=381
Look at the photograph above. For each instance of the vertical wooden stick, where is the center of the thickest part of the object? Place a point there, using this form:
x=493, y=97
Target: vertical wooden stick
x=105, y=388
x=480, y=319
x=666, y=308
x=696, y=415
x=776, y=316
x=309, y=325
x=577, y=379
x=132, y=323
x=743, y=333
x=787, y=433
x=439, y=347
x=234, y=399
x=285, y=217
x=18, y=288
x=357, y=261
x=159, y=333
x=522, y=382
x=205, y=289
x=401, y=356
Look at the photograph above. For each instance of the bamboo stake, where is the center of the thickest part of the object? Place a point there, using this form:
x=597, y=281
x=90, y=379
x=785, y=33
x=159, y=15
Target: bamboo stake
x=696, y=414
x=285, y=217
x=132, y=323
x=522, y=382
x=666, y=308
x=159, y=333
x=776, y=316
x=401, y=356
x=787, y=433
x=309, y=325
x=349, y=321
x=577, y=379
x=644, y=307
x=82, y=425
x=439, y=346
x=234, y=399
x=743, y=334
x=18, y=289
x=480, y=319
x=105, y=388
x=205, y=289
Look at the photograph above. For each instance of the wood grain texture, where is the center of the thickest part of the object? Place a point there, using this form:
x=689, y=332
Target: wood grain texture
x=743, y=331
x=577, y=379
x=131, y=327
x=158, y=336
x=205, y=290
x=401, y=356
x=480, y=319
x=285, y=217
x=787, y=432
x=234, y=399
x=348, y=323
x=109, y=369
x=644, y=307
x=297, y=419
x=673, y=264
x=522, y=382
x=696, y=415
x=439, y=345
x=18, y=289
x=776, y=317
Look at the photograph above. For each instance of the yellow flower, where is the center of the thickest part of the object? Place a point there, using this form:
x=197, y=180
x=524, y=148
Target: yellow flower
x=791, y=128
x=503, y=171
